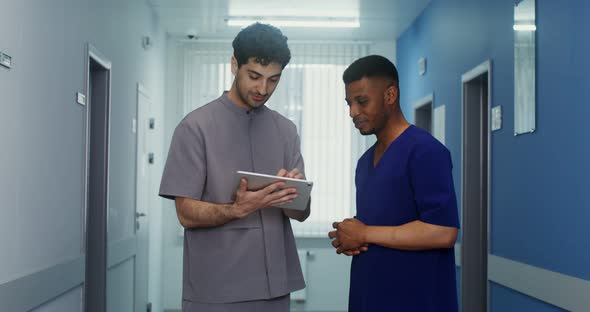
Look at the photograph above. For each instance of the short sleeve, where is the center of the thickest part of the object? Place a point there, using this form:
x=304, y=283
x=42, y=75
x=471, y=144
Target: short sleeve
x=185, y=171
x=432, y=182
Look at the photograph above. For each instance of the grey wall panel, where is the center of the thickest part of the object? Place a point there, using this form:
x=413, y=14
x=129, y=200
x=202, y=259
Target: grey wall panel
x=120, y=287
x=68, y=302
x=563, y=291
x=9, y=126
x=42, y=141
x=121, y=251
x=41, y=211
x=36, y=289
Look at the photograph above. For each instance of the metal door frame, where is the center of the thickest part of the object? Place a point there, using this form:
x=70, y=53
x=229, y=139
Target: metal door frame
x=481, y=69
x=426, y=101
x=93, y=55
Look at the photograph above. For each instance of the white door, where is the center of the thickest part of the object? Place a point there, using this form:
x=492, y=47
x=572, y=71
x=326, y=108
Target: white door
x=143, y=199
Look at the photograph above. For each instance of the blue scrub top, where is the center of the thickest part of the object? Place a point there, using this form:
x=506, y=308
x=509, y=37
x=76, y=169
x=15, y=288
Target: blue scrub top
x=412, y=181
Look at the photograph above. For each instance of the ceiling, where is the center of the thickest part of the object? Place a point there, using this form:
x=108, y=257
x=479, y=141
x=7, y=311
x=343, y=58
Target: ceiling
x=379, y=19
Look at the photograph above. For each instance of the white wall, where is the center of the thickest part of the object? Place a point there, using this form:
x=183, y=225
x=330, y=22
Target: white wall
x=385, y=48
x=42, y=130
x=171, y=229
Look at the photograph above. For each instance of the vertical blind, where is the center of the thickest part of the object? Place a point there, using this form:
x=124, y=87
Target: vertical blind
x=311, y=94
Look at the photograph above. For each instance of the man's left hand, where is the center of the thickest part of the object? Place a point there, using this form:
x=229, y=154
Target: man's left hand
x=349, y=236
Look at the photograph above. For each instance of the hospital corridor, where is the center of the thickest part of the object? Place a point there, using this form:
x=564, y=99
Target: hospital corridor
x=104, y=108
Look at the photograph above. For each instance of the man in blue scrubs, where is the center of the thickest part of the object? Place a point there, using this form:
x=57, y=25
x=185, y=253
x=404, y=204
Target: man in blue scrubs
x=406, y=225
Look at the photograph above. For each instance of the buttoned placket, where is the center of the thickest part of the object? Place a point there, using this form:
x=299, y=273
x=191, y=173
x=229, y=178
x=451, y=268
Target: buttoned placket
x=253, y=117
x=249, y=118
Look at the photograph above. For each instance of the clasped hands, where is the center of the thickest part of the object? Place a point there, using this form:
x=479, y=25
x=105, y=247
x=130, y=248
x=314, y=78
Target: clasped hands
x=349, y=237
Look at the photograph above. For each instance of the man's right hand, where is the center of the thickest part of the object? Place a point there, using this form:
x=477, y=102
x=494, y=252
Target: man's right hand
x=249, y=201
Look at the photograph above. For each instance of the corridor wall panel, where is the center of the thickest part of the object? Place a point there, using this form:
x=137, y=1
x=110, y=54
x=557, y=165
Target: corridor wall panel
x=539, y=204
x=42, y=135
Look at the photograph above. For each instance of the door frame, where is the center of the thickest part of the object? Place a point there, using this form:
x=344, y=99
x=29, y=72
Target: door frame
x=427, y=100
x=93, y=55
x=140, y=126
x=479, y=70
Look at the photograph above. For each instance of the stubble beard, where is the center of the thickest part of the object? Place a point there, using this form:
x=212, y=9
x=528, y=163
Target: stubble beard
x=244, y=98
x=368, y=132
x=375, y=130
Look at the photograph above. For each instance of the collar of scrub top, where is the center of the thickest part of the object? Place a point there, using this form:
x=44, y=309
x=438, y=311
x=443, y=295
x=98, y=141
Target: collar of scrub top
x=242, y=112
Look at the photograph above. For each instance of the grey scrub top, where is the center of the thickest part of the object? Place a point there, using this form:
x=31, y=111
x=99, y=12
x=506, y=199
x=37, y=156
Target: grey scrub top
x=247, y=259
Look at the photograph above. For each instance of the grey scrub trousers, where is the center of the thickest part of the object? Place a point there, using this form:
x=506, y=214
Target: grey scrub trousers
x=246, y=260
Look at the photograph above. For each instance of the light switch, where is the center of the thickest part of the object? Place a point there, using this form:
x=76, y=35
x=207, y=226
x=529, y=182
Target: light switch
x=422, y=66
x=5, y=60
x=496, y=118
x=80, y=98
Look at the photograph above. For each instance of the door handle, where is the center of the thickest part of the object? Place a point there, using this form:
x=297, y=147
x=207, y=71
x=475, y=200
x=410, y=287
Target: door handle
x=137, y=216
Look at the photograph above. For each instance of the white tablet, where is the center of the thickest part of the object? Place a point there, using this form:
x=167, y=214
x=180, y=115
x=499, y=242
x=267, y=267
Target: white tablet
x=258, y=181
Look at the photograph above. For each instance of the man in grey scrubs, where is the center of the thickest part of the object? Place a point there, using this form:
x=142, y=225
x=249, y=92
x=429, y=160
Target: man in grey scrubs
x=239, y=250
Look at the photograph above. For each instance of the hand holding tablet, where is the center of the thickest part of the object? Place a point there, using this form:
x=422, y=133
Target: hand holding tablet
x=257, y=181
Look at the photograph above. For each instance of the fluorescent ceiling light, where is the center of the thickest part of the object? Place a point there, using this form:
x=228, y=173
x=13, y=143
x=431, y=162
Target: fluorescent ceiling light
x=524, y=27
x=287, y=8
x=318, y=22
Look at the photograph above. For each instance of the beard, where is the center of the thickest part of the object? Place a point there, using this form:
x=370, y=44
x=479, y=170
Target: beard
x=375, y=124
x=368, y=131
x=371, y=131
x=244, y=97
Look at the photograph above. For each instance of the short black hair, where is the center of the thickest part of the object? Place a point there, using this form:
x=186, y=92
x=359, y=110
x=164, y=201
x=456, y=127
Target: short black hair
x=264, y=42
x=370, y=66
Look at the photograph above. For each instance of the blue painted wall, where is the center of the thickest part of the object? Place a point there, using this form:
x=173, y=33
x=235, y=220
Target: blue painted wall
x=539, y=214
x=506, y=299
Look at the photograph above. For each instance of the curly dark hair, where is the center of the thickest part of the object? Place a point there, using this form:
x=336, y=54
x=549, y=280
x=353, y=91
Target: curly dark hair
x=264, y=42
